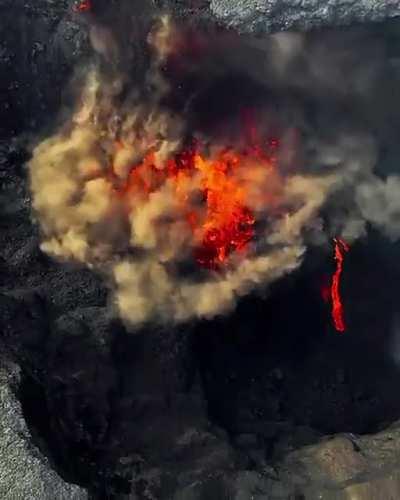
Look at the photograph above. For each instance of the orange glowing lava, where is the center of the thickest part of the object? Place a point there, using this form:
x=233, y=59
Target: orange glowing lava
x=341, y=248
x=220, y=220
x=229, y=224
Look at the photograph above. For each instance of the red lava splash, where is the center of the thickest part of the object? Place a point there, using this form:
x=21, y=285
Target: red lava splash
x=341, y=248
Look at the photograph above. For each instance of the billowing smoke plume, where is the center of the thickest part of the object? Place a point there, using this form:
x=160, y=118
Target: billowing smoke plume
x=183, y=217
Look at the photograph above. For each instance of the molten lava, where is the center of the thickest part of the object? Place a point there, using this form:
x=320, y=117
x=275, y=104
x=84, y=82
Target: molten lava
x=228, y=224
x=341, y=248
x=220, y=220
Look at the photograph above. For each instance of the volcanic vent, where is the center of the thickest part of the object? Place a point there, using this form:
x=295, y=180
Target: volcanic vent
x=184, y=207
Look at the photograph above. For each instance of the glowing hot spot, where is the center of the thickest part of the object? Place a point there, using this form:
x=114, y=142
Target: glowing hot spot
x=220, y=221
x=341, y=248
x=83, y=6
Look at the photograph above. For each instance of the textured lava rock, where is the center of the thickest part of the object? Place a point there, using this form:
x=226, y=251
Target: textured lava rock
x=261, y=16
x=160, y=440
x=80, y=380
x=346, y=466
x=25, y=473
x=40, y=41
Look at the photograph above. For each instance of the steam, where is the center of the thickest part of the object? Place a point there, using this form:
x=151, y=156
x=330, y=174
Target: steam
x=379, y=203
x=142, y=242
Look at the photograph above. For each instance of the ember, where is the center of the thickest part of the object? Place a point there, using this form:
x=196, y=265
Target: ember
x=83, y=6
x=337, y=306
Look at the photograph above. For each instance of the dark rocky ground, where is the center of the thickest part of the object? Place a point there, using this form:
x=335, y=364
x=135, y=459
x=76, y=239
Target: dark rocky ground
x=269, y=403
x=255, y=16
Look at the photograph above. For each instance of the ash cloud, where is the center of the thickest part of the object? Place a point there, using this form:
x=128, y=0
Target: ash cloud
x=321, y=183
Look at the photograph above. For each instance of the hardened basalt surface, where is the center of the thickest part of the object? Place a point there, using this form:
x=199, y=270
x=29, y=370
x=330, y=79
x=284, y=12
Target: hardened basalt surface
x=263, y=16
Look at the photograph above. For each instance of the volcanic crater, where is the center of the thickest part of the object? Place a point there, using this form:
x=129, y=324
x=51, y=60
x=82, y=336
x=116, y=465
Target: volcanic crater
x=199, y=252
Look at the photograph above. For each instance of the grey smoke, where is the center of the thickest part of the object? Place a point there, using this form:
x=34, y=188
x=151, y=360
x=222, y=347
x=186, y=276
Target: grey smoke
x=379, y=203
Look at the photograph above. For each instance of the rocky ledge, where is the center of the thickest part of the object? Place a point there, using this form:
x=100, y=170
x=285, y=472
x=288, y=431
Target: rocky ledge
x=264, y=16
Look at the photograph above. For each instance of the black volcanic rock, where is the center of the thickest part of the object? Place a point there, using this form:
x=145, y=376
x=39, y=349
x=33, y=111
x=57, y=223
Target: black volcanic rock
x=40, y=41
x=25, y=472
x=263, y=16
x=79, y=383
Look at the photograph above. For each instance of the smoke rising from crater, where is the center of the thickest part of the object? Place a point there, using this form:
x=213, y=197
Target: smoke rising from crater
x=184, y=206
